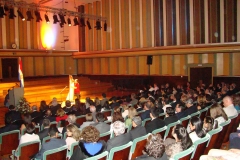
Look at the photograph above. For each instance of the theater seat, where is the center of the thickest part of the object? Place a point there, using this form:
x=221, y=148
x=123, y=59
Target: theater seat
x=168, y=133
x=58, y=153
x=102, y=156
x=199, y=145
x=213, y=138
x=184, y=155
x=121, y=152
x=160, y=131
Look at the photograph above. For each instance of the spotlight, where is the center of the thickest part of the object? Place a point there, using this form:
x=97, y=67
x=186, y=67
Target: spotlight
x=38, y=16
x=29, y=15
x=88, y=24
x=20, y=15
x=2, y=12
x=46, y=18
x=61, y=24
x=69, y=22
x=82, y=21
x=55, y=19
x=6, y=8
x=98, y=25
x=62, y=19
x=11, y=14
x=105, y=26
x=75, y=20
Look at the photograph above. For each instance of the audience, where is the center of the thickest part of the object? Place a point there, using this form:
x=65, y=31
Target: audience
x=218, y=114
x=170, y=116
x=236, y=101
x=61, y=115
x=27, y=119
x=35, y=113
x=100, y=125
x=220, y=154
x=73, y=135
x=137, y=129
x=12, y=114
x=9, y=126
x=134, y=101
x=71, y=120
x=146, y=114
x=54, y=106
x=52, y=144
x=196, y=127
x=120, y=138
x=104, y=99
x=68, y=107
x=43, y=106
x=131, y=113
x=155, y=121
x=89, y=145
x=208, y=124
x=229, y=108
x=44, y=133
x=89, y=121
x=125, y=111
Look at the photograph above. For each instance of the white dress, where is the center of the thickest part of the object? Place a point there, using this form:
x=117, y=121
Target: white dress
x=70, y=95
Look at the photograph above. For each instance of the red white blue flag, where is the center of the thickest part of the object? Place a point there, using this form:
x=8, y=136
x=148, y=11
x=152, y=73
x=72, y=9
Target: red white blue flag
x=20, y=73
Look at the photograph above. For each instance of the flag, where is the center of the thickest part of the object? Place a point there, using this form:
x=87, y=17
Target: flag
x=20, y=73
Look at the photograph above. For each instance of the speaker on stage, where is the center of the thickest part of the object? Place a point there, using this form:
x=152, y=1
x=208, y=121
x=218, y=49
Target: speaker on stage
x=149, y=60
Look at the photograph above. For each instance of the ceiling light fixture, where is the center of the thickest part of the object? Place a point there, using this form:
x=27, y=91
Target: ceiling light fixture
x=20, y=15
x=69, y=22
x=11, y=13
x=2, y=12
x=46, y=18
x=29, y=15
x=38, y=16
x=55, y=19
x=88, y=24
x=75, y=20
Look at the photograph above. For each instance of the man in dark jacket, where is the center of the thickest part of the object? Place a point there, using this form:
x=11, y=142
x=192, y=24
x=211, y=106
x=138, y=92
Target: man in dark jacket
x=156, y=122
x=138, y=130
x=13, y=114
x=44, y=133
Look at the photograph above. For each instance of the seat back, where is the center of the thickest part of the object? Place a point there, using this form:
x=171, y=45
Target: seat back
x=235, y=126
x=47, y=139
x=230, y=128
x=73, y=146
x=102, y=156
x=213, y=138
x=200, y=145
x=145, y=121
x=9, y=141
x=185, y=120
x=195, y=114
x=161, y=116
x=160, y=131
x=220, y=139
x=58, y=153
x=203, y=113
x=184, y=155
x=107, y=113
x=105, y=136
x=81, y=119
x=137, y=146
x=121, y=152
x=168, y=133
x=26, y=150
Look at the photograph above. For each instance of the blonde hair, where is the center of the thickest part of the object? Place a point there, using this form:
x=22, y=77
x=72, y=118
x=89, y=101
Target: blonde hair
x=60, y=112
x=125, y=107
x=217, y=111
x=132, y=112
x=76, y=134
x=201, y=99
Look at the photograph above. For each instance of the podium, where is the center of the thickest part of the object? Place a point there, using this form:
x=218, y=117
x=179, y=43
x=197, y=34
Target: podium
x=14, y=95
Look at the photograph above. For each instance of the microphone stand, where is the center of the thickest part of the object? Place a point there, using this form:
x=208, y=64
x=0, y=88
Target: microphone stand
x=62, y=91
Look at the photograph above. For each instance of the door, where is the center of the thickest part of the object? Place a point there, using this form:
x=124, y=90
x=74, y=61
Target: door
x=10, y=68
x=200, y=75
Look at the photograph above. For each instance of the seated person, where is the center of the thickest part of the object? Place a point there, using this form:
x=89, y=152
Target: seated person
x=52, y=144
x=208, y=124
x=48, y=115
x=68, y=108
x=61, y=115
x=154, y=148
x=27, y=119
x=138, y=130
x=9, y=126
x=131, y=113
x=54, y=106
x=219, y=154
x=196, y=127
x=90, y=145
x=170, y=116
x=71, y=120
x=36, y=115
x=180, y=142
x=120, y=138
x=73, y=135
x=89, y=120
x=44, y=133
x=100, y=125
x=156, y=122
x=146, y=114
x=15, y=115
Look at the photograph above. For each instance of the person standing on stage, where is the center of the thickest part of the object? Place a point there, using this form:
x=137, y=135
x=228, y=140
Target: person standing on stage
x=76, y=88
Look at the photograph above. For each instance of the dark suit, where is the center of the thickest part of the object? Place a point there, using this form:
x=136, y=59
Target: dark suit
x=42, y=134
x=9, y=127
x=118, y=141
x=145, y=114
x=14, y=115
x=52, y=144
x=36, y=114
x=181, y=114
x=170, y=119
x=102, y=127
x=138, y=131
x=54, y=109
x=192, y=110
x=154, y=124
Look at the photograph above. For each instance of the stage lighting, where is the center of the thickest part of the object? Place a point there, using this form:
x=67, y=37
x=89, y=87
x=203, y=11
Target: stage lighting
x=61, y=24
x=38, y=16
x=89, y=25
x=2, y=12
x=11, y=13
x=6, y=8
x=82, y=22
x=105, y=26
x=55, y=19
x=46, y=18
x=69, y=22
x=29, y=15
x=75, y=20
x=98, y=25
x=62, y=19
x=20, y=15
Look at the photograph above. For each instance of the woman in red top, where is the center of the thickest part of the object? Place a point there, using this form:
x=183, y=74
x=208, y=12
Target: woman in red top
x=61, y=115
x=76, y=88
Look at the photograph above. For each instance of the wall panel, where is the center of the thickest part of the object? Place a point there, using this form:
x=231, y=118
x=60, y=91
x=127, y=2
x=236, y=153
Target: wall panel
x=70, y=65
x=143, y=67
x=33, y=31
x=135, y=23
x=81, y=32
x=88, y=66
x=171, y=22
x=113, y=65
x=89, y=32
x=10, y=32
x=96, y=66
x=115, y=30
x=193, y=58
x=132, y=65
x=49, y=66
x=123, y=63
x=184, y=20
x=155, y=68
x=97, y=33
x=235, y=63
x=214, y=21
x=22, y=28
x=198, y=20
x=59, y=65
x=104, y=65
x=39, y=66
x=1, y=40
x=28, y=66
x=146, y=23
x=106, y=34
x=158, y=22
x=167, y=64
x=230, y=20
x=80, y=66
x=125, y=34
x=179, y=67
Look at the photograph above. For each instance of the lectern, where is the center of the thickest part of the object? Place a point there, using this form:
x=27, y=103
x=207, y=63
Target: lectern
x=15, y=94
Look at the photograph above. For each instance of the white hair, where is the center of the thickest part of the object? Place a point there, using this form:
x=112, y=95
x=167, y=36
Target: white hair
x=118, y=128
